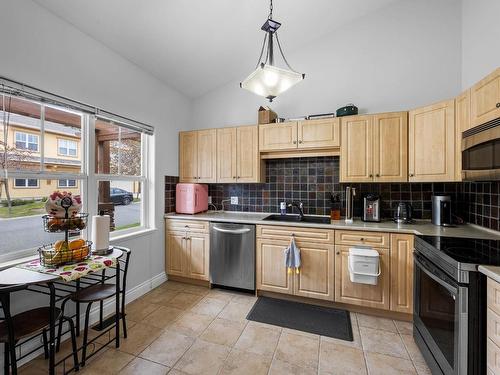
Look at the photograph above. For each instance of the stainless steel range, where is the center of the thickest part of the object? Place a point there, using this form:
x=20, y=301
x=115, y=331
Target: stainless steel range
x=450, y=302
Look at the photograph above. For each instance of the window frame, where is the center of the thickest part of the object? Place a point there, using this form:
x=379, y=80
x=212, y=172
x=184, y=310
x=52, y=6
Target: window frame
x=87, y=178
x=67, y=154
x=27, y=142
x=67, y=186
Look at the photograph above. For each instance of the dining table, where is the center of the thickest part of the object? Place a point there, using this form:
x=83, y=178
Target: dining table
x=59, y=283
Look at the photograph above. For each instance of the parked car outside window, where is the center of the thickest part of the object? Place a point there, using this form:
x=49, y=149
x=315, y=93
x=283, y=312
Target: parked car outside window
x=120, y=196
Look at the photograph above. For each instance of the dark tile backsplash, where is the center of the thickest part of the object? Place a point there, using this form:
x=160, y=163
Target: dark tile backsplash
x=170, y=182
x=311, y=180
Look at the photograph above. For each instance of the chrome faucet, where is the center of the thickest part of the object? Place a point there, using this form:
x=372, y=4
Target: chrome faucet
x=224, y=201
x=350, y=193
x=300, y=208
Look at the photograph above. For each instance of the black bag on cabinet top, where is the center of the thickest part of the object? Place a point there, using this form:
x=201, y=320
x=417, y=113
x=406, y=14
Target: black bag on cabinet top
x=348, y=110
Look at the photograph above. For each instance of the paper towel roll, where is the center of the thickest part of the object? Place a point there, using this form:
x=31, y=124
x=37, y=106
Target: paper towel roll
x=100, y=232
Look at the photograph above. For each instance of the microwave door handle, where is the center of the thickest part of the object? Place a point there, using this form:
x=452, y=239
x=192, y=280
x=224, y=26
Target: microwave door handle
x=451, y=289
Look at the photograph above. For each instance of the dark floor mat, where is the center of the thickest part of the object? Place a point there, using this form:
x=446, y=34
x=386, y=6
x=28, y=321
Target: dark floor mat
x=319, y=320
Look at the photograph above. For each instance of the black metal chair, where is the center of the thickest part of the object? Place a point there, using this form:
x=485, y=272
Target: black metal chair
x=99, y=293
x=25, y=324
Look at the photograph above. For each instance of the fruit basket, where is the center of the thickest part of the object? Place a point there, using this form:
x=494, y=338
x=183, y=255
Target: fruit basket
x=53, y=224
x=63, y=252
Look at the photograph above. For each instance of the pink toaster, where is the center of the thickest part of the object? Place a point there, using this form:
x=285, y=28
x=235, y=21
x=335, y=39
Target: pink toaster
x=191, y=198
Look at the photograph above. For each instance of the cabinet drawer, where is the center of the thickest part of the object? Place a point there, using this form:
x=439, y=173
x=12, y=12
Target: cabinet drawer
x=187, y=225
x=494, y=296
x=351, y=237
x=493, y=357
x=301, y=234
x=493, y=326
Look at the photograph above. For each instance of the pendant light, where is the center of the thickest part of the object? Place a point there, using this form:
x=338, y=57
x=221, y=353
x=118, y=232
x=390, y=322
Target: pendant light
x=267, y=79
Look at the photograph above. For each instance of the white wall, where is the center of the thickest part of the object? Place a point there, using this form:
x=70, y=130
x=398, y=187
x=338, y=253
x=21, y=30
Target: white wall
x=480, y=39
x=44, y=51
x=402, y=56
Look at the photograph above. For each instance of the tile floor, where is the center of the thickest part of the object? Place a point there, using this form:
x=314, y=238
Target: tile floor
x=181, y=329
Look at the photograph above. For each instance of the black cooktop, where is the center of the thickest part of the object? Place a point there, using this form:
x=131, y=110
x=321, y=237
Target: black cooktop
x=467, y=250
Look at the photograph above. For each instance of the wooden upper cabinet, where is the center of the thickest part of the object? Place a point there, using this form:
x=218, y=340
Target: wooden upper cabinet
x=390, y=147
x=485, y=99
x=356, y=151
x=226, y=155
x=188, y=156
x=207, y=156
x=278, y=137
x=321, y=133
x=462, y=123
x=431, y=143
x=402, y=273
x=247, y=150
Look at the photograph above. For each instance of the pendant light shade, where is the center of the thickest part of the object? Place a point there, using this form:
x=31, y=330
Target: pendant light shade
x=268, y=80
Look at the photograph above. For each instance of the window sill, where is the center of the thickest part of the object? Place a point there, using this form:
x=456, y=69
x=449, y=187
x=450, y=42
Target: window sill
x=127, y=236
x=15, y=262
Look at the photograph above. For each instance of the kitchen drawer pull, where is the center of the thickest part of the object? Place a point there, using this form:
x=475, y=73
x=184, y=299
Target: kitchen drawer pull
x=411, y=174
x=362, y=239
x=370, y=176
x=377, y=175
x=300, y=141
x=498, y=105
x=231, y=231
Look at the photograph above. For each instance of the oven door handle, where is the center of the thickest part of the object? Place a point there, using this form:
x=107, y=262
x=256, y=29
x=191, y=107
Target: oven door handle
x=450, y=288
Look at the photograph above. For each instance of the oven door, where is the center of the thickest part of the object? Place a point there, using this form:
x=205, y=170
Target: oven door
x=441, y=316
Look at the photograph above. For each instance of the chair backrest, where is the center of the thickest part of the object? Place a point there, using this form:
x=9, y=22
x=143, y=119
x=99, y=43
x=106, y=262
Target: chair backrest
x=124, y=261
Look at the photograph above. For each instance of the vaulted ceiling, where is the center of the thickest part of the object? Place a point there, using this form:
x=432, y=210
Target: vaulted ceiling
x=196, y=46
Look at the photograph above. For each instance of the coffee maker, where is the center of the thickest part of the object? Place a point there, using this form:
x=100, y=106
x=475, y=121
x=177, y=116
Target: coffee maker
x=441, y=210
x=371, y=208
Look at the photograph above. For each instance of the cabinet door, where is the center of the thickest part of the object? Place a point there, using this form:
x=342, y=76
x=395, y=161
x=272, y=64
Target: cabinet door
x=247, y=160
x=431, y=143
x=198, y=256
x=324, y=133
x=390, y=147
x=376, y=296
x=175, y=257
x=315, y=279
x=226, y=155
x=485, y=99
x=402, y=273
x=276, y=137
x=207, y=156
x=462, y=123
x=271, y=272
x=356, y=150
x=188, y=156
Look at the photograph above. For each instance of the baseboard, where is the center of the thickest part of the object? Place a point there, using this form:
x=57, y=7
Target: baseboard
x=109, y=308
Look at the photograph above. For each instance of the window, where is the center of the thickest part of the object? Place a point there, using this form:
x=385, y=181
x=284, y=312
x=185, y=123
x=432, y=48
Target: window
x=66, y=183
x=27, y=141
x=43, y=145
x=26, y=183
x=67, y=147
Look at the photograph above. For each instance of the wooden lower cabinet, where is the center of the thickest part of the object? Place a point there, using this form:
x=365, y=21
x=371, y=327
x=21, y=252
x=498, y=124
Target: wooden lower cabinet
x=375, y=296
x=402, y=273
x=315, y=279
x=187, y=255
x=271, y=272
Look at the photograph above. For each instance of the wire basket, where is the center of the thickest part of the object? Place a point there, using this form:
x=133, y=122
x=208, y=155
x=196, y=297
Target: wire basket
x=53, y=224
x=49, y=256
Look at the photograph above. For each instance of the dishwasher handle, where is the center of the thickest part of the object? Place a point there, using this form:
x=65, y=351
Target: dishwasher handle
x=231, y=231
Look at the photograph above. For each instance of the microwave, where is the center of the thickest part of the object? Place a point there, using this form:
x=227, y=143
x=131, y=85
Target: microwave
x=481, y=152
x=191, y=198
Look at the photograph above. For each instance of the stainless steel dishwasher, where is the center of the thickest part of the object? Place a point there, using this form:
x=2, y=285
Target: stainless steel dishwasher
x=232, y=255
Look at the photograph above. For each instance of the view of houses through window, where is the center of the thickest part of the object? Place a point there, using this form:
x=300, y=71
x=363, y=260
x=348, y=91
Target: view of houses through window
x=43, y=149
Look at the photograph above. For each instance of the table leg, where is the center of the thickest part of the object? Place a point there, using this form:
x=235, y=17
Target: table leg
x=117, y=306
x=77, y=310
x=52, y=334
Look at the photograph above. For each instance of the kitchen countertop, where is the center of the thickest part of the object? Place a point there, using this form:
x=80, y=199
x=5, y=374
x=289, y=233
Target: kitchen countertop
x=419, y=227
x=492, y=272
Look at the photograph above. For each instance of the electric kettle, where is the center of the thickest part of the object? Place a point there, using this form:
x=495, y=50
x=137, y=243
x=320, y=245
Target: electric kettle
x=403, y=213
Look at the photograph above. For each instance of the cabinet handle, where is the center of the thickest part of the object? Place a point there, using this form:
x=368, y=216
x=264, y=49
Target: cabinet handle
x=362, y=239
x=239, y=177
x=294, y=142
x=300, y=141
x=498, y=105
x=338, y=252
x=371, y=176
x=234, y=177
x=377, y=175
x=411, y=174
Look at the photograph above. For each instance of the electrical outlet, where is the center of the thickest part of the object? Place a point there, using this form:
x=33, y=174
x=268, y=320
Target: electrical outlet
x=234, y=200
x=209, y=199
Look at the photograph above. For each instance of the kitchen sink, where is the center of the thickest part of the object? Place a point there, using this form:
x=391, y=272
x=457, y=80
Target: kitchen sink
x=298, y=219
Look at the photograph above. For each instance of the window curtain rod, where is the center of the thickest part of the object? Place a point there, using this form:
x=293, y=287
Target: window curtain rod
x=14, y=88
